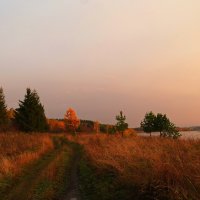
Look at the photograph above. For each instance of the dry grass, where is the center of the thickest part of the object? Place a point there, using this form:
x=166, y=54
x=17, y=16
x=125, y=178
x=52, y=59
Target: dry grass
x=163, y=165
x=17, y=150
x=51, y=171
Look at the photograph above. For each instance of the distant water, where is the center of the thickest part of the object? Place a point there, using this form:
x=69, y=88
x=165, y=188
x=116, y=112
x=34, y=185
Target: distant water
x=185, y=134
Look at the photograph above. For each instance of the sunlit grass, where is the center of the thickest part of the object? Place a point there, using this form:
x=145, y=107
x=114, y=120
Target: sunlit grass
x=17, y=150
x=164, y=167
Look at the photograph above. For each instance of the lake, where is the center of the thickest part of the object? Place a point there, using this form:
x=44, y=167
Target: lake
x=185, y=134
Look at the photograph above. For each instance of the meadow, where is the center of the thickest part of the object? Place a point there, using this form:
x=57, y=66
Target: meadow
x=141, y=167
x=33, y=166
x=16, y=150
x=109, y=167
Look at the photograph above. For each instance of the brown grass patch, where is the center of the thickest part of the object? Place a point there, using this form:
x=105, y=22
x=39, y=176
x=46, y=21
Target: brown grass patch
x=17, y=150
x=160, y=164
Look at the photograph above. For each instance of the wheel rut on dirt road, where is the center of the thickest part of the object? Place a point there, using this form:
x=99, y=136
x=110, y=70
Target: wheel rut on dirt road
x=73, y=190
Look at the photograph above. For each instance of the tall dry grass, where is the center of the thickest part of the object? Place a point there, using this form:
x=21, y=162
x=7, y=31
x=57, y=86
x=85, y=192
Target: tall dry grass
x=160, y=165
x=17, y=150
x=51, y=171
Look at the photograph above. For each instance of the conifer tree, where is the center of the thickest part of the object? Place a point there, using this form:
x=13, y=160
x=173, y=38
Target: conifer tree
x=148, y=124
x=3, y=111
x=30, y=116
x=160, y=123
x=121, y=125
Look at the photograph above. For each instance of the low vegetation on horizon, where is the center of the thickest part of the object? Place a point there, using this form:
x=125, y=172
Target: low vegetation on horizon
x=30, y=117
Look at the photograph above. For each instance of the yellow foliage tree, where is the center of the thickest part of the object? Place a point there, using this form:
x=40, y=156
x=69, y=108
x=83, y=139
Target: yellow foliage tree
x=56, y=125
x=71, y=120
x=11, y=113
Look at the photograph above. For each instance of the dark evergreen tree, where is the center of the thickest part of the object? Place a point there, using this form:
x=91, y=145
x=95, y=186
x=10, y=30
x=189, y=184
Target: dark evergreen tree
x=159, y=122
x=148, y=124
x=171, y=131
x=3, y=112
x=121, y=125
x=30, y=116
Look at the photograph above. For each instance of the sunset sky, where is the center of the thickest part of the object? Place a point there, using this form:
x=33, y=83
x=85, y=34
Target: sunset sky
x=103, y=56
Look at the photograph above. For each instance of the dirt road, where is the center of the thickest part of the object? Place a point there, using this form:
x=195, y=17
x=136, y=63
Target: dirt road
x=73, y=191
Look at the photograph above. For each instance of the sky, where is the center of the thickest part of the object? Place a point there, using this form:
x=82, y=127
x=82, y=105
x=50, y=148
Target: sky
x=103, y=56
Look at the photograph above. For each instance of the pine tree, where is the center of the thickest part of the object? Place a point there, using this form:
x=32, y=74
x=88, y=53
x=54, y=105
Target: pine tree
x=148, y=124
x=3, y=111
x=159, y=122
x=30, y=116
x=121, y=125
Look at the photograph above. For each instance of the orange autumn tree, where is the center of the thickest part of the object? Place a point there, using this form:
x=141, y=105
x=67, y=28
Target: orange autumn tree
x=71, y=120
x=56, y=126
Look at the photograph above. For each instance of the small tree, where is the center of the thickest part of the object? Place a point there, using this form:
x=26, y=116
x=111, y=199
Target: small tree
x=171, y=131
x=30, y=116
x=3, y=112
x=11, y=114
x=103, y=128
x=11, y=118
x=161, y=123
x=56, y=126
x=121, y=125
x=166, y=127
x=112, y=129
x=71, y=120
x=148, y=124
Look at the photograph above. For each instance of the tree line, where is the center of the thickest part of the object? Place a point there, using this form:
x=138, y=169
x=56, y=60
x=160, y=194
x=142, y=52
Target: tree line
x=30, y=117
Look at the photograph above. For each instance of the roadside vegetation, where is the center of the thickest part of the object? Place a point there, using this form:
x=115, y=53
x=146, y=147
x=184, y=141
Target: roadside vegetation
x=139, y=168
x=18, y=149
x=34, y=167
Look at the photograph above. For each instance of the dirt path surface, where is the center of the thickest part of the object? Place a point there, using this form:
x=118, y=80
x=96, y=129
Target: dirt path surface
x=73, y=191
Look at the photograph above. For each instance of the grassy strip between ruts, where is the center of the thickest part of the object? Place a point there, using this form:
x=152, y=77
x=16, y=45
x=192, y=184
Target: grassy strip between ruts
x=102, y=185
x=45, y=179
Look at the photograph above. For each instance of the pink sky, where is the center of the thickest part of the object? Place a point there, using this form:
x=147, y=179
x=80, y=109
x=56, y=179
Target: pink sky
x=103, y=56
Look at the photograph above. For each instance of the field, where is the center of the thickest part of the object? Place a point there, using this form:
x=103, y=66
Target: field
x=98, y=166
x=20, y=149
x=33, y=166
x=141, y=167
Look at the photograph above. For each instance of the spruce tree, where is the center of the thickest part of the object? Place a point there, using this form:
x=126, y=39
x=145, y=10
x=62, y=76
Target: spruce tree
x=159, y=122
x=148, y=124
x=30, y=116
x=121, y=125
x=3, y=111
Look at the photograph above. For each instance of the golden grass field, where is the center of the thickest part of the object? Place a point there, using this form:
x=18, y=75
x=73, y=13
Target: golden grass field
x=34, y=166
x=17, y=150
x=169, y=169
x=160, y=164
